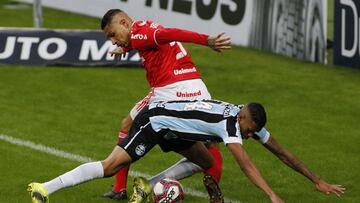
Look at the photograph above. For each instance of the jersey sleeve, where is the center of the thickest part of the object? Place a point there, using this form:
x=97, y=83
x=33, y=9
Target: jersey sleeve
x=232, y=134
x=148, y=35
x=262, y=136
x=166, y=35
x=230, y=140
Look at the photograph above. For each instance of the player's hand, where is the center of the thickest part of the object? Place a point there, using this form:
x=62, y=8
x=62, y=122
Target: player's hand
x=118, y=52
x=219, y=42
x=328, y=189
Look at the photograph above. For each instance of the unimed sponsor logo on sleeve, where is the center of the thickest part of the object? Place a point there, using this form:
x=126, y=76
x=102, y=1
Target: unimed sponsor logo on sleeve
x=59, y=47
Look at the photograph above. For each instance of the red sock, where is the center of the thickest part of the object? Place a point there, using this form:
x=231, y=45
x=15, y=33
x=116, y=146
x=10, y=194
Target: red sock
x=122, y=174
x=216, y=170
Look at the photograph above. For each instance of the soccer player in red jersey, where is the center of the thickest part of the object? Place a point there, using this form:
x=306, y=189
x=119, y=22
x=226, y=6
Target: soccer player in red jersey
x=171, y=74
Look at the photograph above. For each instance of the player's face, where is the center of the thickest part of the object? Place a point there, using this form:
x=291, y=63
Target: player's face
x=247, y=125
x=118, y=31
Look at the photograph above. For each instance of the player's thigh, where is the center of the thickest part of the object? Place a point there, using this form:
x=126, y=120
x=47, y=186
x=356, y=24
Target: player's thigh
x=126, y=123
x=198, y=154
x=139, y=106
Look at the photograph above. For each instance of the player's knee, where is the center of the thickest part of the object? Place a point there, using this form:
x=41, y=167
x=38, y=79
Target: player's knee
x=109, y=169
x=208, y=162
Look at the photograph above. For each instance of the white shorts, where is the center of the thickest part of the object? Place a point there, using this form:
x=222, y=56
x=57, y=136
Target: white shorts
x=183, y=90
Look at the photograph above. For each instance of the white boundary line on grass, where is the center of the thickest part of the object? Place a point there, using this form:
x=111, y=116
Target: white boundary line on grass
x=83, y=159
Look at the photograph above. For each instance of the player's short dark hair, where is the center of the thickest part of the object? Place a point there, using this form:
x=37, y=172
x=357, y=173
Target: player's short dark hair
x=107, y=18
x=258, y=114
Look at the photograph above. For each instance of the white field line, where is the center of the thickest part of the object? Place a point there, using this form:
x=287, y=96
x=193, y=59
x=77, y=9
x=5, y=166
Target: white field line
x=83, y=159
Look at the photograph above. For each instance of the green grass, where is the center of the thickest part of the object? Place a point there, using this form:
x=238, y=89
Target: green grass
x=313, y=110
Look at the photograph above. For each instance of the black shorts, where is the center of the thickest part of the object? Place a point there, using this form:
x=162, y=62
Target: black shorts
x=142, y=138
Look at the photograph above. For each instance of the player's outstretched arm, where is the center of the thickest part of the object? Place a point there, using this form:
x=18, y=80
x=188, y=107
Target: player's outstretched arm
x=293, y=162
x=251, y=171
x=219, y=43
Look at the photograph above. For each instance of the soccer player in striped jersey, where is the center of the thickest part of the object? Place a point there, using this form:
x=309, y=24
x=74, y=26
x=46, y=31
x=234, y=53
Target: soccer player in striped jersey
x=179, y=126
x=171, y=74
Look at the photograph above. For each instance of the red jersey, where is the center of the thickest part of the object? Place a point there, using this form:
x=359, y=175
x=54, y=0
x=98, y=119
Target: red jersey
x=166, y=61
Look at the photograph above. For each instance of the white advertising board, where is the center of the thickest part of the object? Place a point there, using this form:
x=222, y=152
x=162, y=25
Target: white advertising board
x=209, y=17
x=289, y=27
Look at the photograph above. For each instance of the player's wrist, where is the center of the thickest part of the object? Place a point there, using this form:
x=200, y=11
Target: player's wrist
x=210, y=41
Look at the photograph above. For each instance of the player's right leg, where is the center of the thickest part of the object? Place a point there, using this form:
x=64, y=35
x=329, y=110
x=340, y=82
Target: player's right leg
x=39, y=192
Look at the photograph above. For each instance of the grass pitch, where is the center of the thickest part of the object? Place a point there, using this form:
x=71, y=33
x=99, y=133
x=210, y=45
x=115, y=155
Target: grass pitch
x=313, y=111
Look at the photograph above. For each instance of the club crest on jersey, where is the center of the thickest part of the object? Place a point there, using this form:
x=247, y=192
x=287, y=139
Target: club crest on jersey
x=140, y=149
x=139, y=36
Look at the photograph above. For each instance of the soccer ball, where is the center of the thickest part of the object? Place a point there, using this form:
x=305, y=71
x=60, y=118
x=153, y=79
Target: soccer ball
x=168, y=191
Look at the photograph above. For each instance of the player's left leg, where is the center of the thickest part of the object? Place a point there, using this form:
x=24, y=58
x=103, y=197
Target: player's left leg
x=216, y=170
x=185, y=168
x=180, y=170
x=213, y=174
x=197, y=155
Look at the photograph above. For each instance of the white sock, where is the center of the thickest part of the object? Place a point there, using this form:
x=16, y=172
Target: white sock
x=180, y=170
x=81, y=174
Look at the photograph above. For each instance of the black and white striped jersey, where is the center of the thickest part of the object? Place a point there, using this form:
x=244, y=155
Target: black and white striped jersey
x=200, y=120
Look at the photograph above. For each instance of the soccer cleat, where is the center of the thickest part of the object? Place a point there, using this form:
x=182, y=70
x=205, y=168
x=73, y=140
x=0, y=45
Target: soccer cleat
x=116, y=195
x=213, y=189
x=141, y=192
x=38, y=193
